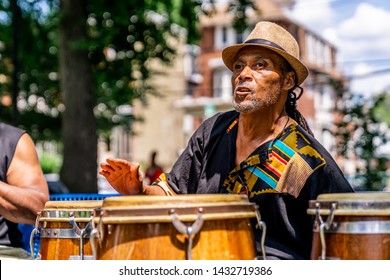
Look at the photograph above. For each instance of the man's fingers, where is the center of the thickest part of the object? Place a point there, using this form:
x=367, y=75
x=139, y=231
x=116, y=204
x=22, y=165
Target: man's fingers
x=106, y=167
x=119, y=164
x=104, y=173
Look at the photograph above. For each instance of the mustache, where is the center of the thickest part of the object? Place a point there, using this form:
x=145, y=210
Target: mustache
x=244, y=86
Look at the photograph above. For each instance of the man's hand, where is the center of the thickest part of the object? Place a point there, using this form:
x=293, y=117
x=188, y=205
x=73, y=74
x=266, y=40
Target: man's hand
x=123, y=176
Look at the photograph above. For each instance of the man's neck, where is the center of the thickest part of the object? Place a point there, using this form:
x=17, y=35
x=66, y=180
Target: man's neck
x=261, y=125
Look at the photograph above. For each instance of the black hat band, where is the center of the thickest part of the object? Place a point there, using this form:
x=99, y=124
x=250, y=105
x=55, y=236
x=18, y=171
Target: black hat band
x=264, y=42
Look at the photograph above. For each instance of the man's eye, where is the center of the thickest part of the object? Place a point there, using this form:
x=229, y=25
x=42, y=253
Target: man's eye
x=237, y=66
x=259, y=65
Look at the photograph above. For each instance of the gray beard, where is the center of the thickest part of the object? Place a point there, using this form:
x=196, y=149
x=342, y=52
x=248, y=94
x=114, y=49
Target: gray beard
x=247, y=106
x=255, y=104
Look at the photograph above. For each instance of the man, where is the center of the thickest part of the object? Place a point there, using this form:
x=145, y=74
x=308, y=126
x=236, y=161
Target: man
x=23, y=189
x=154, y=170
x=263, y=148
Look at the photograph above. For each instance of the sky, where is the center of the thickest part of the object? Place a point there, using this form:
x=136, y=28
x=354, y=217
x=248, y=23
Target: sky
x=360, y=30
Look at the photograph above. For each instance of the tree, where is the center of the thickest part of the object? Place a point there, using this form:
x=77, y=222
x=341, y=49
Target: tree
x=82, y=60
x=79, y=126
x=38, y=93
x=360, y=134
x=382, y=110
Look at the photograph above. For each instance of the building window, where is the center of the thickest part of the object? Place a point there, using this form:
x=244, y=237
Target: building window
x=319, y=52
x=220, y=37
x=190, y=57
x=222, y=84
x=224, y=35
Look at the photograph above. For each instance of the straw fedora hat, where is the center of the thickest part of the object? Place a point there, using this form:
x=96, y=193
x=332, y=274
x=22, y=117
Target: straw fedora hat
x=274, y=37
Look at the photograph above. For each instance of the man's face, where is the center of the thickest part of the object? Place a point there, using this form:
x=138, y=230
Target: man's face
x=257, y=79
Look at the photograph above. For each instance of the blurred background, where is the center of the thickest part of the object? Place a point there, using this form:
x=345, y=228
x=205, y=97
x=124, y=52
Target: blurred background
x=95, y=79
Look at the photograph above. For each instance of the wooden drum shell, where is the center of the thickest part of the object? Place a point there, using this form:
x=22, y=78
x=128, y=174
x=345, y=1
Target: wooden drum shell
x=140, y=228
x=360, y=229
x=54, y=220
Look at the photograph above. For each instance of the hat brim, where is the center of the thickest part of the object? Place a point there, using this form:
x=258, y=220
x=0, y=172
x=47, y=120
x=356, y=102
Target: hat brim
x=229, y=55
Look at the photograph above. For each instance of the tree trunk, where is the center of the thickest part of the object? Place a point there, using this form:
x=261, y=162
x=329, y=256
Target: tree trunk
x=79, y=169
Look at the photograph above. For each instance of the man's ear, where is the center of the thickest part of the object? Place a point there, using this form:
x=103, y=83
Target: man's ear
x=289, y=80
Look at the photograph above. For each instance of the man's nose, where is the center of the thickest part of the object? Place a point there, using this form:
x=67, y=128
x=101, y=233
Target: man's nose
x=246, y=73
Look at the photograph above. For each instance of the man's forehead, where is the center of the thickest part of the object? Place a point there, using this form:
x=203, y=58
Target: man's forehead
x=259, y=52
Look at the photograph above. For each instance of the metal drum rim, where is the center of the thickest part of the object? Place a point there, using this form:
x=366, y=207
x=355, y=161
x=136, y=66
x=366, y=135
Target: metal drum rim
x=360, y=203
x=185, y=212
x=140, y=201
x=355, y=196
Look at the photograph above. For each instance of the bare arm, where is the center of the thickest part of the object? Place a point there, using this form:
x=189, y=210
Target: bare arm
x=126, y=179
x=26, y=191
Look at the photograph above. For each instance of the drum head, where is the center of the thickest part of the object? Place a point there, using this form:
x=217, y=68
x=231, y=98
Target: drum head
x=359, y=203
x=72, y=204
x=146, y=201
x=124, y=209
x=82, y=210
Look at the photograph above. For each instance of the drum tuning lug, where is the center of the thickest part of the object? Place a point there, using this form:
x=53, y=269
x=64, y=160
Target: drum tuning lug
x=261, y=226
x=190, y=231
x=325, y=226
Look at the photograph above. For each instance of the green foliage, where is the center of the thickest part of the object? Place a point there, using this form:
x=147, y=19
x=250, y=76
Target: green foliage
x=122, y=39
x=50, y=163
x=382, y=110
x=360, y=133
x=39, y=101
x=240, y=9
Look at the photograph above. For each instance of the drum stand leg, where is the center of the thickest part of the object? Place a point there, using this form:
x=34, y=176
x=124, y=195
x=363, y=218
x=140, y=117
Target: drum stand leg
x=324, y=226
x=94, y=234
x=190, y=231
x=35, y=232
x=263, y=229
x=83, y=233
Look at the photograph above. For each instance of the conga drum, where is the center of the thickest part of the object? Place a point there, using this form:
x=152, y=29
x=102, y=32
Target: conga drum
x=201, y=227
x=64, y=229
x=351, y=226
